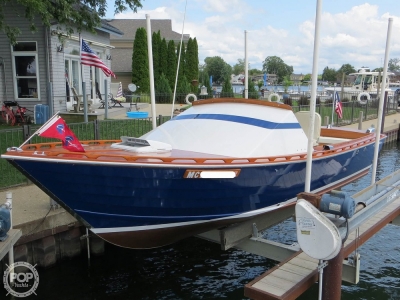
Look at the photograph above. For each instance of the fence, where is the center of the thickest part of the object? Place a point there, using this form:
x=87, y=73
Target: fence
x=105, y=129
x=114, y=129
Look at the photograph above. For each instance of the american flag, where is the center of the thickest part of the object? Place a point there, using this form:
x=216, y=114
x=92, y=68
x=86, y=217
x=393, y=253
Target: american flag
x=338, y=106
x=120, y=93
x=89, y=58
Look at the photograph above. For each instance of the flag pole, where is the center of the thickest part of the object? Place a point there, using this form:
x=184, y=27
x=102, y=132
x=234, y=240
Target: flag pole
x=179, y=60
x=333, y=102
x=45, y=124
x=85, y=116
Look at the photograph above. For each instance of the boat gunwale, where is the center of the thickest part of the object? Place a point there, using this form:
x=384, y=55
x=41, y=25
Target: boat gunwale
x=54, y=150
x=242, y=100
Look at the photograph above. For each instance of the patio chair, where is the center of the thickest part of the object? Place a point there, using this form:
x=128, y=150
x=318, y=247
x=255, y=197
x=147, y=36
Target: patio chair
x=116, y=89
x=78, y=106
x=102, y=102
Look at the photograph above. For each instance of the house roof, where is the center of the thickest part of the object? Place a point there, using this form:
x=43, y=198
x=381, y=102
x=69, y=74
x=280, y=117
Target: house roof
x=105, y=26
x=129, y=27
x=122, y=57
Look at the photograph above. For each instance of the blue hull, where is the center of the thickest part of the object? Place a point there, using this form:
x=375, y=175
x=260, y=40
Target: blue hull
x=111, y=195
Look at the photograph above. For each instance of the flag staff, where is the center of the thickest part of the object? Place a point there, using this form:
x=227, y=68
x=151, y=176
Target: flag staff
x=85, y=117
x=333, y=102
x=45, y=124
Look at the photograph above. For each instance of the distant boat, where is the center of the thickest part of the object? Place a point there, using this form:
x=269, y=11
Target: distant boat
x=366, y=82
x=222, y=161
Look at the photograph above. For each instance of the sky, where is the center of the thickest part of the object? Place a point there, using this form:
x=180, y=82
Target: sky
x=351, y=32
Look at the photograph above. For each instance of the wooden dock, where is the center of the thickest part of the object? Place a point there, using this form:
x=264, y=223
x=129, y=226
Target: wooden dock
x=289, y=279
x=13, y=236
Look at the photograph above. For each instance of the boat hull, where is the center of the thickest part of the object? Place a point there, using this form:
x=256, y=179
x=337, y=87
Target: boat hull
x=150, y=205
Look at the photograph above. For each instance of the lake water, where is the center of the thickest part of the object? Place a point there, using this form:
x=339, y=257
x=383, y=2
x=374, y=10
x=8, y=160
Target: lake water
x=238, y=88
x=197, y=269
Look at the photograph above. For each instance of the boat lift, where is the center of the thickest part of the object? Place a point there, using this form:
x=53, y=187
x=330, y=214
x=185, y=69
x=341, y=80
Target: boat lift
x=377, y=205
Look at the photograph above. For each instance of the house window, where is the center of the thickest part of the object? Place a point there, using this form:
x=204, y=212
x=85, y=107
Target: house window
x=25, y=67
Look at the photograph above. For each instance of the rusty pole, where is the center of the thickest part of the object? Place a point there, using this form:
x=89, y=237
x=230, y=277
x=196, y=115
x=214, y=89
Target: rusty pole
x=332, y=278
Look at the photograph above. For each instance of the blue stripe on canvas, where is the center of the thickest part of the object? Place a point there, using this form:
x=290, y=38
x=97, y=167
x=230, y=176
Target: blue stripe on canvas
x=239, y=119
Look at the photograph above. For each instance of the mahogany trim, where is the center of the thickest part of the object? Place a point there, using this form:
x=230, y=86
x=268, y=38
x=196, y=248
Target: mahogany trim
x=241, y=100
x=55, y=150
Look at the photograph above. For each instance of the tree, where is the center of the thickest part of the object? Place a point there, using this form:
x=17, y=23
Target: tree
x=393, y=65
x=252, y=92
x=347, y=69
x=329, y=74
x=238, y=68
x=217, y=68
x=182, y=89
x=163, y=90
x=192, y=65
x=183, y=86
x=286, y=83
x=275, y=65
x=307, y=77
x=172, y=60
x=227, y=91
x=254, y=72
x=163, y=57
x=140, y=61
x=156, y=43
x=69, y=15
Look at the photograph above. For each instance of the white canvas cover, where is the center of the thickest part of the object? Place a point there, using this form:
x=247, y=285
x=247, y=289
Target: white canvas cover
x=233, y=130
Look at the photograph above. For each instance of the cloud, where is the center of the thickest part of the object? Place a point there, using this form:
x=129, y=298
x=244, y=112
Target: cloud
x=356, y=36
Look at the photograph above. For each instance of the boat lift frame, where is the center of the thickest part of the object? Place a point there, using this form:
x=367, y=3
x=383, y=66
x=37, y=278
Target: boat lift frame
x=377, y=205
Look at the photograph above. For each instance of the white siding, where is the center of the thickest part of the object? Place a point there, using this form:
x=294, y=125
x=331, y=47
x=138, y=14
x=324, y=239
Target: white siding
x=45, y=49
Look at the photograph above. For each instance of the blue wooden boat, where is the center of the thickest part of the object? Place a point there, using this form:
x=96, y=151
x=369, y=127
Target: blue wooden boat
x=219, y=162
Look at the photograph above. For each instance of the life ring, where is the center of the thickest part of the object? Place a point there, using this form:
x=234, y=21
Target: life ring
x=190, y=95
x=272, y=95
x=363, y=102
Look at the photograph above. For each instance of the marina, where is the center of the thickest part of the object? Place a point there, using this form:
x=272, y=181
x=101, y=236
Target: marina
x=169, y=258
x=259, y=196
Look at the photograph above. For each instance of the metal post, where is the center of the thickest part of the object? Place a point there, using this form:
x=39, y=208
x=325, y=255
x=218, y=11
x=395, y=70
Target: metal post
x=96, y=129
x=326, y=120
x=26, y=132
x=360, y=120
x=106, y=99
x=310, y=146
x=85, y=116
x=332, y=279
x=11, y=252
x=320, y=278
x=159, y=120
x=88, y=245
x=380, y=109
x=385, y=100
x=246, y=68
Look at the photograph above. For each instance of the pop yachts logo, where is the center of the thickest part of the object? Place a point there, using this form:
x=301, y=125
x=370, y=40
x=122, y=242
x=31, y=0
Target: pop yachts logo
x=21, y=279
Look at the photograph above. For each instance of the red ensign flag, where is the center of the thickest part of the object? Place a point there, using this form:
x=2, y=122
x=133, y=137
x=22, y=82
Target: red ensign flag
x=58, y=129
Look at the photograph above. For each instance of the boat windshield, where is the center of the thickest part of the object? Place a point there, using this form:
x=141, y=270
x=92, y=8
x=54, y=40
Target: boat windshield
x=368, y=79
x=358, y=80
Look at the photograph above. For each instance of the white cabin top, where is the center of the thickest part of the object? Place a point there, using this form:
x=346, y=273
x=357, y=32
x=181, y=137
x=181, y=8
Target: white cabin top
x=368, y=81
x=234, y=128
